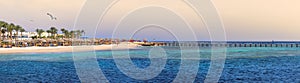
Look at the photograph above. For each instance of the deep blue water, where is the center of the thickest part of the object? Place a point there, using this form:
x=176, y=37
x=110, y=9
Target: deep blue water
x=242, y=65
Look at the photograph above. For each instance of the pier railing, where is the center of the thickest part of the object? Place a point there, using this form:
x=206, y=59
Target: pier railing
x=230, y=44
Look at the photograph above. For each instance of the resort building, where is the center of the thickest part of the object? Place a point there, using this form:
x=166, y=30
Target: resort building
x=28, y=35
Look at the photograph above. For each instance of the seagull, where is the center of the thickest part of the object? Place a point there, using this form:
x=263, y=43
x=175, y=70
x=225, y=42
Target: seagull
x=51, y=16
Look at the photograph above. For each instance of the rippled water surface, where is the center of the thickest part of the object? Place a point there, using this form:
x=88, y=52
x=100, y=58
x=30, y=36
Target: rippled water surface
x=242, y=65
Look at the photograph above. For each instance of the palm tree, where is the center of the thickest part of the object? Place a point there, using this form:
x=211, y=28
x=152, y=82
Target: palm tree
x=82, y=31
x=49, y=31
x=53, y=31
x=63, y=31
x=22, y=30
x=72, y=33
x=40, y=31
x=78, y=33
x=10, y=28
x=66, y=32
x=2, y=29
x=17, y=29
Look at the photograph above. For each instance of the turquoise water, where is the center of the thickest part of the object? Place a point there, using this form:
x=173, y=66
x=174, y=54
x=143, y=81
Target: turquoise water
x=242, y=65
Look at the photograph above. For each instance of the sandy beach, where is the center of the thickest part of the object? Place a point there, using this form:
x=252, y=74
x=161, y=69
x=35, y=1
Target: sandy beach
x=64, y=49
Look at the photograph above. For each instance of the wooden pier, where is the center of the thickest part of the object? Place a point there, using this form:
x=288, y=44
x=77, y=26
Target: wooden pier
x=231, y=44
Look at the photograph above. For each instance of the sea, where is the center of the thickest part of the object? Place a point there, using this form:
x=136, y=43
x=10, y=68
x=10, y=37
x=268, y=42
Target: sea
x=241, y=64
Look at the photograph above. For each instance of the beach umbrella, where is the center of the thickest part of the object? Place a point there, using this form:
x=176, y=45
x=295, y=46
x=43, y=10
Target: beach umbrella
x=54, y=40
x=7, y=40
x=61, y=40
x=43, y=40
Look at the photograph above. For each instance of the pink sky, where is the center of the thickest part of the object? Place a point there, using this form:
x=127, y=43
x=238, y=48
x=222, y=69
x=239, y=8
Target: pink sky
x=243, y=19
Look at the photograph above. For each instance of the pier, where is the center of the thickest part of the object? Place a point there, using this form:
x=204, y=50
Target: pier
x=231, y=44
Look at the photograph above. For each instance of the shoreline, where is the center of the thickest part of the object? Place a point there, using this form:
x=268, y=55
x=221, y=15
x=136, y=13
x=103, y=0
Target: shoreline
x=18, y=50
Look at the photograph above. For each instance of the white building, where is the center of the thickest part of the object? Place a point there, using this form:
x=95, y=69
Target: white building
x=27, y=35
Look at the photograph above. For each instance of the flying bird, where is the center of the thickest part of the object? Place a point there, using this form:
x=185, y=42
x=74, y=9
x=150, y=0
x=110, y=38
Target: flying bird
x=51, y=16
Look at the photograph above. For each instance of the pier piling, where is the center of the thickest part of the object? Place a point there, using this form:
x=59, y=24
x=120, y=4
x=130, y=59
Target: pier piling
x=231, y=44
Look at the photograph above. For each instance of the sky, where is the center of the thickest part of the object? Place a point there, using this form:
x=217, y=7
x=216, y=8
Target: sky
x=244, y=20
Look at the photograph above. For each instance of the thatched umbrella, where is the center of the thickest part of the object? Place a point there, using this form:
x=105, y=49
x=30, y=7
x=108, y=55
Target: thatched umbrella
x=7, y=43
x=61, y=42
x=25, y=43
x=76, y=41
x=68, y=42
x=40, y=42
x=97, y=41
x=54, y=42
x=29, y=42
